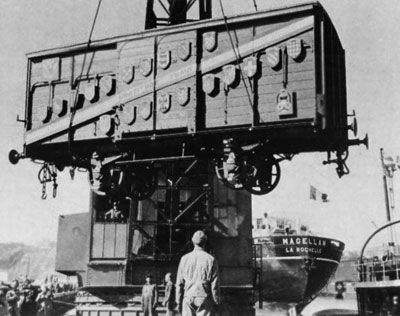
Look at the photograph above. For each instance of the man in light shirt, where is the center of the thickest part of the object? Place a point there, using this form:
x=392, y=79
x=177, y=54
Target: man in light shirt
x=197, y=283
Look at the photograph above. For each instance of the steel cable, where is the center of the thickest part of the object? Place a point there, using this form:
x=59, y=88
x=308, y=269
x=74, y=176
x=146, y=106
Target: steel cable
x=237, y=56
x=70, y=134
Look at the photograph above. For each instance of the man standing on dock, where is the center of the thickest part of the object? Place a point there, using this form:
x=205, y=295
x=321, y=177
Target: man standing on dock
x=169, y=298
x=197, y=284
x=149, y=296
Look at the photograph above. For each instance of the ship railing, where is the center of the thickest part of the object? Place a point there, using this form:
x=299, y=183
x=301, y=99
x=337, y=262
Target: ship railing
x=392, y=250
x=376, y=269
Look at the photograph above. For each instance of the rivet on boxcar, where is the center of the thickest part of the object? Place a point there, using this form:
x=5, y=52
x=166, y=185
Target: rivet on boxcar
x=127, y=73
x=209, y=83
x=273, y=57
x=91, y=92
x=164, y=58
x=146, y=66
x=48, y=113
x=106, y=124
x=60, y=106
x=183, y=95
x=146, y=109
x=184, y=50
x=294, y=48
x=210, y=41
x=107, y=85
x=164, y=102
x=127, y=113
x=229, y=74
x=250, y=66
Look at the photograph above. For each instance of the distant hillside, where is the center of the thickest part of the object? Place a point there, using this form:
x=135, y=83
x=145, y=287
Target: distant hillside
x=10, y=254
x=35, y=261
x=346, y=269
x=345, y=272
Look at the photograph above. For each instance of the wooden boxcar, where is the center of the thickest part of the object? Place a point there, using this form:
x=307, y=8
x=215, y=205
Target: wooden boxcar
x=274, y=77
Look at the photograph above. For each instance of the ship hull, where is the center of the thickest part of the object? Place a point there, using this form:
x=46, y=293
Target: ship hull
x=294, y=269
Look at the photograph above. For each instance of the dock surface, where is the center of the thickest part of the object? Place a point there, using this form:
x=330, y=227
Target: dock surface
x=321, y=306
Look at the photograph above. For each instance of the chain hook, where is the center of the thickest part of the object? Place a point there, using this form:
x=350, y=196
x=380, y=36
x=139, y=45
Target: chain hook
x=44, y=195
x=54, y=178
x=117, y=120
x=48, y=173
x=55, y=185
x=42, y=175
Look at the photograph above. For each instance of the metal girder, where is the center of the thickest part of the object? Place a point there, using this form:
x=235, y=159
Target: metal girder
x=190, y=206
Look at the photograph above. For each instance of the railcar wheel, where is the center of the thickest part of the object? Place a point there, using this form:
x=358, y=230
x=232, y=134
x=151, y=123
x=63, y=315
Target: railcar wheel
x=262, y=175
x=233, y=180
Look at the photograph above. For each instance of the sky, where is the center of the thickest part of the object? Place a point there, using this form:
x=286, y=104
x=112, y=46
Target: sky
x=369, y=33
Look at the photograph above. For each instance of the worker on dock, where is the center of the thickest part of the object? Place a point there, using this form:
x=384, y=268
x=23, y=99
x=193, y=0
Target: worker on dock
x=169, y=298
x=3, y=302
x=197, y=284
x=44, y=301
x=28, y=295
x=12, y=298
x=149, y=296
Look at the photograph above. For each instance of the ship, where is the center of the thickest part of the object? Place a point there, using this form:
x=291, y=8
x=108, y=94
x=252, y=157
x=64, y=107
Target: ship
x=294, y=263
x=378, y=286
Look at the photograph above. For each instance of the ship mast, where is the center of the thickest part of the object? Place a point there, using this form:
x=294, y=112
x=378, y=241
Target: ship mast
x=389, y=167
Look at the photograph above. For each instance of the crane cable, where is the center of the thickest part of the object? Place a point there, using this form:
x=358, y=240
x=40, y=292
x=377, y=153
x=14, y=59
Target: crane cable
x=48, y=171
x=237, y=55
x=74, y=109
x=255, y=5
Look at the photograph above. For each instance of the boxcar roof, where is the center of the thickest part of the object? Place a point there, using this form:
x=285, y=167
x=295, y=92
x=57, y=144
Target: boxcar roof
x=267, y=9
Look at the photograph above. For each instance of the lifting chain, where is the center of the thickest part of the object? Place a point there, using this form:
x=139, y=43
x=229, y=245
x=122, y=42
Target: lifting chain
x=117, y=120
x=340, y=161
x=226, y=90
x=48, y=173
